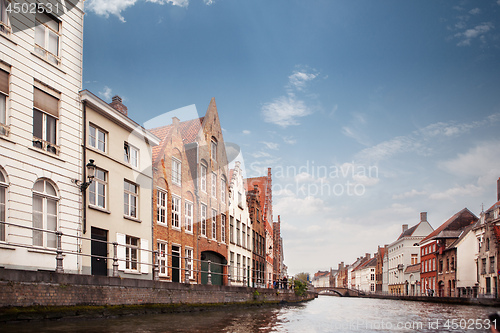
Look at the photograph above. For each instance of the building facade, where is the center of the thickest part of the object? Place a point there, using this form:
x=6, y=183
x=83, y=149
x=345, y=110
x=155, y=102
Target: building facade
x=40, y=138
x=240, y=230
x=117, y=204
x=405, y=252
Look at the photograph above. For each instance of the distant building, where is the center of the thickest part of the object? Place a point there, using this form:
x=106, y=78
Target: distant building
x=321, y=279
x=379, y=269
x=367, y=276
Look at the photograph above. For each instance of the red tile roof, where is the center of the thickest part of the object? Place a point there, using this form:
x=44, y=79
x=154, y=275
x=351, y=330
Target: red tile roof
x=453, y=223
x=188, y=129
x=494, y=206
x=413, y=268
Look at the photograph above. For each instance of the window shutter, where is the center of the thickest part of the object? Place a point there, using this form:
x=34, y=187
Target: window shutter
x=120, y=251
x=4, y=82
x=145, y=256
x=46, y=102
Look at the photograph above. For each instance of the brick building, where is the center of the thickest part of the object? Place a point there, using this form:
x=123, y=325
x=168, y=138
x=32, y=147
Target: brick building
x=266, y=206
x=258, y=237
x=278, y=260
x=432, y=247
x=381, y=251
x=190, y=200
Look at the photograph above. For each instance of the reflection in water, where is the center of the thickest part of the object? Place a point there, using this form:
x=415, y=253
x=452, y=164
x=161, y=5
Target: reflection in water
x=325, y=314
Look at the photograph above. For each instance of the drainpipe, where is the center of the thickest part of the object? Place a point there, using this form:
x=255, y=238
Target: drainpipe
x=84, y=193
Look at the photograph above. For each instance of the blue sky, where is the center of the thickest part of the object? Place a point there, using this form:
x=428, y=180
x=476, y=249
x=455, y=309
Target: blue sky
x=368, y=112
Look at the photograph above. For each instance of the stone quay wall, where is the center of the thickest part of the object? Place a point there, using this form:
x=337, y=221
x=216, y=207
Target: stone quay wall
x=41, y=288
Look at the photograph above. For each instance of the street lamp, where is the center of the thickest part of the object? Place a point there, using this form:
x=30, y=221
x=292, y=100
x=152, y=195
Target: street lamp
x=90, y=175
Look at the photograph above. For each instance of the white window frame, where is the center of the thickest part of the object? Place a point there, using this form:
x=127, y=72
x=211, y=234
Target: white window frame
x=46, y=144
x=48, y=31
x=130, y=249
x=188, y=252
x=223, y=228
x=176, y=212
x=131, y=154
x=96, y=190
x=238, y=232
x=214, y=224
x=176, y=171
x=188, y=216
x=214, y=185
x=223, y=185
x=243, y=235
x=49, y=239
x=203, y=220
x=4, y=96
x=3, y=206
x=96, y=139
x=129, y=194
x=162, y=248
x=161, y=206
x=203, y=178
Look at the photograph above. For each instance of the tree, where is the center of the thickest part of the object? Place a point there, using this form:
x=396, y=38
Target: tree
x=302, y=277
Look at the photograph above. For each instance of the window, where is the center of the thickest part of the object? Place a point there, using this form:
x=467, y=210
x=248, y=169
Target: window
x=130, y=199
x=214, y=185
x=238, y=266
x=131, y=154
x=243, y=236
x=231, y=264
x=162, y=258
x=203, y=178
x=203, y=217
x=176, y=171
x=223, y=190
x=47, y=33
x=214, y=224
x=131, y=253
x=492, y=264
x=231, y=229
x=487, y=244
x=240, y=200
x=248, y=238
x=238, y=235
x=188, y=215
x=176, y=211
x=189, y=262
x=372, y=277
x=4, y=93
x=223, y=228
x=97, y=138
x=4, y=17
x=452, y=263
x=483, y=266
x=161, y=207
x=214, y=150
x=372, y=287
x=97, y=189
x=45, y=114
x=44, y=214
x=3, y=195
x=414, y=259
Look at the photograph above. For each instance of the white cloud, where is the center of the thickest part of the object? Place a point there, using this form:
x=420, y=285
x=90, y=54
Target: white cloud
x=246, y=132
x=452, y=193
x=475, y=11
x=106, y=93
x=420, y=141
x=410, y=194
x=298, y=80
x=478, y=31
x=116, y=7
x=285, y=111
x=271, y=145
x=260, y=154
x=208, y=2
x=289, y=140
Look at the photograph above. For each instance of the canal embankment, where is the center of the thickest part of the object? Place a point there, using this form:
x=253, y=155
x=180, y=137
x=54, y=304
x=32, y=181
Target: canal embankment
x=29, y=295
x=482, y=301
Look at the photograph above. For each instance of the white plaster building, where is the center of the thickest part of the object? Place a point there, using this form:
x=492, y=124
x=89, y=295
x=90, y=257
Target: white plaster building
x=466, y=270
x=385, y=273
x=366, y=273
x=118, y=201
x=240, y=230
x=40, y=137
x=405, y=251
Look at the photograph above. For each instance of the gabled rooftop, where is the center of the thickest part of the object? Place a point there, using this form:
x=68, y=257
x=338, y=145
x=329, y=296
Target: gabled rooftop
x=453, y=226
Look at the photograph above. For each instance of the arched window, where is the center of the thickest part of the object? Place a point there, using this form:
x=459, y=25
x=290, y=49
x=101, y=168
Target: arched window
x=44, y=213
x=3, y=199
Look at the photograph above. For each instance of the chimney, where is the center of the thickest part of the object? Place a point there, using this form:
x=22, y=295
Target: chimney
x=116, y=103
x=367, y=256
x=175, y=121
x=405, y=227
x=423, y=217
x=498, y=189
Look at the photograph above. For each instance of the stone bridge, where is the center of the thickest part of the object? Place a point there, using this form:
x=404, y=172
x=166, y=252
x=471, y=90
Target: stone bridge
x=338, y=291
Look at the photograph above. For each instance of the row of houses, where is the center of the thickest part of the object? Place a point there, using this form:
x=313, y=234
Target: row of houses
x=86, y=190
x=460, y=258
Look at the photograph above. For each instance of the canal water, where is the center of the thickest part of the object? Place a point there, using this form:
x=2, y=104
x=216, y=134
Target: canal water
x=324, y=314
